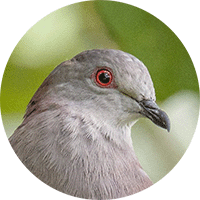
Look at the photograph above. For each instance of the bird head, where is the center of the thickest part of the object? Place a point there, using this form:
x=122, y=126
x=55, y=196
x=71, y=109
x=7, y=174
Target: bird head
x=109, y=85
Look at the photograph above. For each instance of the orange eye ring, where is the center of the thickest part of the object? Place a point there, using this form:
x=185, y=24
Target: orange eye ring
x=104, y=77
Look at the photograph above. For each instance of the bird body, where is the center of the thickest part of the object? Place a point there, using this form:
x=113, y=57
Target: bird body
x=76, y=133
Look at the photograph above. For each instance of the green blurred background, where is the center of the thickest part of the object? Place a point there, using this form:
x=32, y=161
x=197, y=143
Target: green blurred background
x=105, y=24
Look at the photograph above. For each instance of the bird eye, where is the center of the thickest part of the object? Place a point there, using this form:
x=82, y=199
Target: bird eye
x=104, y=77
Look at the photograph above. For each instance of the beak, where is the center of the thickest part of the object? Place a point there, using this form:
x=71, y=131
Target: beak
x=151, y=110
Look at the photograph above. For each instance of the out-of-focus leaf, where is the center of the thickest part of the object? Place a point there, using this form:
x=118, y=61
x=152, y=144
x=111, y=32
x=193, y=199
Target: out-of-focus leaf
x=54, y=39
x=146, y=37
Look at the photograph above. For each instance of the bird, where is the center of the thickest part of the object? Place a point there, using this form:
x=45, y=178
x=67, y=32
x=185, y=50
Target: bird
x=76, y=131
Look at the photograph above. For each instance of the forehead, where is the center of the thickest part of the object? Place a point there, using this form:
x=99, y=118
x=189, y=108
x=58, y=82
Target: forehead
x=115, y=59
x=104, y=55
x=131, y=75
x=119, y=61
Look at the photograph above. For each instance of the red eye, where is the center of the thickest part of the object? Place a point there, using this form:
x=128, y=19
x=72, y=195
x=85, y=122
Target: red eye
x=104, y=77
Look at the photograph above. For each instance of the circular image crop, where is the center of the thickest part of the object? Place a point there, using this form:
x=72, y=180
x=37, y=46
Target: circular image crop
x=75, y=86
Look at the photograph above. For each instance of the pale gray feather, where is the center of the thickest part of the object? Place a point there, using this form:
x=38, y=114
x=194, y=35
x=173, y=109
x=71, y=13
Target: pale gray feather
x=76, y=136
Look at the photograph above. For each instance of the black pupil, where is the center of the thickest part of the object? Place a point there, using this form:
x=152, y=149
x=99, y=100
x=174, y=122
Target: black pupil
x=104, y=77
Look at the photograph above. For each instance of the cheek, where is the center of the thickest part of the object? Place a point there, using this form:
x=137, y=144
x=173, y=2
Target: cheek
x=130, y=113
x=130, y=106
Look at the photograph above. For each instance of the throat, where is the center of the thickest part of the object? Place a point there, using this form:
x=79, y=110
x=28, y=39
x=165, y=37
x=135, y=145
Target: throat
x=109, y=172
x=100, y=163
x=107, y=168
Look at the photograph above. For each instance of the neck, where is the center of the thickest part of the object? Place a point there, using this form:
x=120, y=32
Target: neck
x=104, y=159
x=84, y=159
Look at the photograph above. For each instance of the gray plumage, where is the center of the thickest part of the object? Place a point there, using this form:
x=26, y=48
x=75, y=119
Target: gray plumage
x=76, y=135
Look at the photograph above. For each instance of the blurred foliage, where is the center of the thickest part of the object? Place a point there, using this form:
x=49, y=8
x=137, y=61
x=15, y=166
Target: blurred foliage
x=150, y=40
x=95, y=24
x=75, y=28
x=54, y=39
x=105, y=24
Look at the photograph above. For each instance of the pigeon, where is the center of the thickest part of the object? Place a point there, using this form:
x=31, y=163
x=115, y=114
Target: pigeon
x=76, y=132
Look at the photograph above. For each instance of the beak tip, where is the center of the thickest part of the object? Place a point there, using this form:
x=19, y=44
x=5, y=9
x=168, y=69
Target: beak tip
x=155, y=114
x=168, y=128
x=165, y=120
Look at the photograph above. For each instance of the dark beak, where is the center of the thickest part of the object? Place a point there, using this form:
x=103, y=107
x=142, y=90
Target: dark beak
x=155, y=114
